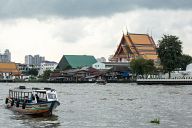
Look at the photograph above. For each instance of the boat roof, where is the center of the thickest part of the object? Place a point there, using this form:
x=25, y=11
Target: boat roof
x=30, y=90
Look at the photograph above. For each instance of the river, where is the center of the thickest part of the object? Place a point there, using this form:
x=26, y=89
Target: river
x=107, y=106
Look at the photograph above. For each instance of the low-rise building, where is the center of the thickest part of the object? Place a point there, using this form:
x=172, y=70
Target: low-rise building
x=109, y=65
x=99, y=65
x=9, y=71
x=23, y=68
x=47, y=65
x=76, y=75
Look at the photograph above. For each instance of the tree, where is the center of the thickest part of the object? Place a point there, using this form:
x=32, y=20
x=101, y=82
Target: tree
x=149, y=67
x=169, y=51
x=184, y=61
x=46, y=74
x=33, y=72
x=142, y=67
x=136, y=66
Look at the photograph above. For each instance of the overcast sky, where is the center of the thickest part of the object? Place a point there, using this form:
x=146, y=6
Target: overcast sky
x=52, y=28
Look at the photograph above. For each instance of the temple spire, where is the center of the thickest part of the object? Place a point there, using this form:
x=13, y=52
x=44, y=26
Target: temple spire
x=127, y=31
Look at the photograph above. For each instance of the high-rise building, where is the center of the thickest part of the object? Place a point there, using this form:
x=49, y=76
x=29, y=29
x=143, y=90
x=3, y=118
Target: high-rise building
x=29, y=60
x=6, y=56
x=34, y=60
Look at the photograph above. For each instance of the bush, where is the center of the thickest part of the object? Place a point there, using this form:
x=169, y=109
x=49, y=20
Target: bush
x=155, y=121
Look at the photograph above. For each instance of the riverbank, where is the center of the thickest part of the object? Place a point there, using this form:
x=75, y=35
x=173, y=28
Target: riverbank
x=45, y=81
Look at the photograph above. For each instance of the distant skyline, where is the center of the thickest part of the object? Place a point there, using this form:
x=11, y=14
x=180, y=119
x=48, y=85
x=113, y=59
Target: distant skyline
x=55, y=28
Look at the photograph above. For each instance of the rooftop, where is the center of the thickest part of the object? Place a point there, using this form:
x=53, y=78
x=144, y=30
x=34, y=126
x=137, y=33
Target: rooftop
x=8, y=68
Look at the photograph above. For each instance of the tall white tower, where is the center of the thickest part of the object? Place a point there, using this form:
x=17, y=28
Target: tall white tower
x=7, y=56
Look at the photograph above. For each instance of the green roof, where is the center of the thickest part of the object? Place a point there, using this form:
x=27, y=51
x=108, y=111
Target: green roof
x=76, y=61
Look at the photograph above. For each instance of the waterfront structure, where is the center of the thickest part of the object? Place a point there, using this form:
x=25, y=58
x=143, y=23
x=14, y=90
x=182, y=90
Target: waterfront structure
x=187, y=74
x=109, y=65
x=115, y=74
x=6, y=56
x=85, y=74
x=99, y=65
x=118, y=74
x=135, y=45
x=75, y=61
x=110, y=71
x=177, y=78
x=47, y=65
x=114, y=71
x=35, y=60
x=9, y=71
x=102, y=59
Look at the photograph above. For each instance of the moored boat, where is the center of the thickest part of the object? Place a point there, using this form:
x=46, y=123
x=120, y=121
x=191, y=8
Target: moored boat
x=101, y=81
x=32, y=101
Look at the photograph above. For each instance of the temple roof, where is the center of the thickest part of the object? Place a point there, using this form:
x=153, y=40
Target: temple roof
x=9, y=68
x=137, y=45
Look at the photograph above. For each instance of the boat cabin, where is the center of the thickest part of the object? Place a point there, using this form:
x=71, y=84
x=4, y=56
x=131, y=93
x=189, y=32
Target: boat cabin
x=34, y=95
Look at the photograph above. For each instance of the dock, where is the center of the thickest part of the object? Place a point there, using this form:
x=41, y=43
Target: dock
x=164, y=81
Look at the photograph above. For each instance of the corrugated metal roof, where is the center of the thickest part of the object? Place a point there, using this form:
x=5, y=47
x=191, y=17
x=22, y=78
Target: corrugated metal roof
x=77, y=61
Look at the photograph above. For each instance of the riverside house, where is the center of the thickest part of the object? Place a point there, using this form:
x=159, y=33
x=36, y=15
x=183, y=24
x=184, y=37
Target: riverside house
x=84, y=74
x=73, y=68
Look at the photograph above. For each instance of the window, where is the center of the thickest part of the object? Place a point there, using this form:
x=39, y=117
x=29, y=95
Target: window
x=51, y=96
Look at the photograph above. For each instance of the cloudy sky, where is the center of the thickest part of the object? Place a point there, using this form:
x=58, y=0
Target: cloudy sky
x=52, y=28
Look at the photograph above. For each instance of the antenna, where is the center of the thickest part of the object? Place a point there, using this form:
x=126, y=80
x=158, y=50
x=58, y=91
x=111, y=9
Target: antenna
x=147, y=30
x=151, y=32
x=123, y=32
x=127, y=31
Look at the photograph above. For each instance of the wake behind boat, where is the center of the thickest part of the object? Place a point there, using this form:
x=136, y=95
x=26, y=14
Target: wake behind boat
x=32, y=101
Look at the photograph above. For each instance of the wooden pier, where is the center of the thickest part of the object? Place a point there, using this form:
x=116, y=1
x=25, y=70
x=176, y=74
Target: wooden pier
x=164, y=81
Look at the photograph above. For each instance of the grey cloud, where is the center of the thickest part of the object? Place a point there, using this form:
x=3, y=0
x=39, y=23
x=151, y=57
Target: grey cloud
x=78, y=8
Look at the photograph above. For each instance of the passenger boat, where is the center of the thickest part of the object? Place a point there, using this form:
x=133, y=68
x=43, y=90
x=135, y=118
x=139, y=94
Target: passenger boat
x=32, y=101
x=101, y=81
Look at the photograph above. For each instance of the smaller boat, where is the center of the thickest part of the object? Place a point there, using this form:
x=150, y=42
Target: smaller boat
x=32, y=101
x=101, y=81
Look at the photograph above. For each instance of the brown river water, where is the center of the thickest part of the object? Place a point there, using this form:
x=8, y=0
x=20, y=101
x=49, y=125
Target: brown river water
x=107, y=106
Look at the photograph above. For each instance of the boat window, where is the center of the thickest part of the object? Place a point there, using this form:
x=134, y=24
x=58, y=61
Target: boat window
x=41, y=96
x=51, y=96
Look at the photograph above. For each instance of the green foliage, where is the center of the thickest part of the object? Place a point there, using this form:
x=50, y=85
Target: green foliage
x=170, y=51
x=46, y=74
x=149, y=67
x=137, y=66
x=33, y=72
x=184, y=61
x=155, y=121
x=142, y=67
